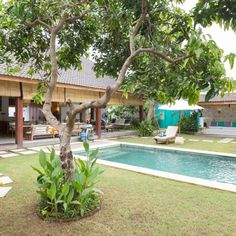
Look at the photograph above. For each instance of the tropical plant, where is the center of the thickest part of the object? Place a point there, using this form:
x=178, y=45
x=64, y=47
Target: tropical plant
x=189, y=124
x=146, y=128
x=60, y=198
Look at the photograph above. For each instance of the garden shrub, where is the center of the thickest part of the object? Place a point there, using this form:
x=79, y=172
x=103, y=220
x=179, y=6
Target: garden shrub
x=189, y=124
x=146, y=128
x=60, y=198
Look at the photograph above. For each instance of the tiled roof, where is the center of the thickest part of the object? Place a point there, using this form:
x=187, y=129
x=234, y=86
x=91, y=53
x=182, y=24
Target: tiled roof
x=227, y=98
x=86, y=77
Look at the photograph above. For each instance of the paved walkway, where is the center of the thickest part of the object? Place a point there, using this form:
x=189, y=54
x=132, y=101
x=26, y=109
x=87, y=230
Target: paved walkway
x=223, y=140
x=32, y=150
x=8, y=144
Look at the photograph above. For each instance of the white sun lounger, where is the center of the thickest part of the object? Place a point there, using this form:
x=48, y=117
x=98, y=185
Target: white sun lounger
x=169, y=135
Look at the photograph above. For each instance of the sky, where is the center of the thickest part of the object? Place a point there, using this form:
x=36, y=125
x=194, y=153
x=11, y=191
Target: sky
x=225, y=40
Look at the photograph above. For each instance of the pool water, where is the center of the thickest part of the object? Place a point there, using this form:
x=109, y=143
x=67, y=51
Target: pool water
x=204, y=166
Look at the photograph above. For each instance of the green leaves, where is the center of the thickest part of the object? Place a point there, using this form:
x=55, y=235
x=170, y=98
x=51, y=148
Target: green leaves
x=231, y=59
x=42, y=158
x=86, y=146
x=62, y=197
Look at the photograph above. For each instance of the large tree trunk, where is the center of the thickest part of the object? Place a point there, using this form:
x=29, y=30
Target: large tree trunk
x=151, y=110
x=66, y=155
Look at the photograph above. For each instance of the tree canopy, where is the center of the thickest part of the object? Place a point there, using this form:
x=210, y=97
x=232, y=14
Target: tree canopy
x=222, y=12
x=172, y=31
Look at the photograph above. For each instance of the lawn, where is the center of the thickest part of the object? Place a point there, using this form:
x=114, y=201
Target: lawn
x=200, y=145
x=134, y=204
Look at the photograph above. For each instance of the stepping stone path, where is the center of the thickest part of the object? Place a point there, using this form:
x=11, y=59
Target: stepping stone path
x=3, y=152
x=18, y=150
x=207, y=141
x=27, y=152
x=23, y=151
x=193, y=140
x=226, y=140
x=5, y=180
x=4, y=190
x=8, y=155
x=44, y=148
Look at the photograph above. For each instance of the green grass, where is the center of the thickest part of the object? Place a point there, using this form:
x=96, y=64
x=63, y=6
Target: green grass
x=134, y=204
x=214, y=147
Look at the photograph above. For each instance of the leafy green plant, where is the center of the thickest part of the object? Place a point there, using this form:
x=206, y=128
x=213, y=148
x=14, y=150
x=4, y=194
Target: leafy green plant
x=65, y=199
x=146, y=128
x=189, y=124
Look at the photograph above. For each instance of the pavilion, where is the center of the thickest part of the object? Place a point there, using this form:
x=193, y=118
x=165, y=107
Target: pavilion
x=16, y=90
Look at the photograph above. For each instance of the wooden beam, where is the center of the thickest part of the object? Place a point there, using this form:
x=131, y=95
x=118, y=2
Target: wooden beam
x=19, y=122
x=98, y=122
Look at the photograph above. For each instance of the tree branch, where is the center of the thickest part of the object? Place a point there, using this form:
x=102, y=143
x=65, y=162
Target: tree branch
x=164, y=56
x=38, y=21
x=74, y=5
x=138, y=25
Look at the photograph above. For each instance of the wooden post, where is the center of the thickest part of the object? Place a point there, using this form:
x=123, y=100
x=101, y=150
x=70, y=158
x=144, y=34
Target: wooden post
x=141, y=113
x=98, y=122
x=19, y=122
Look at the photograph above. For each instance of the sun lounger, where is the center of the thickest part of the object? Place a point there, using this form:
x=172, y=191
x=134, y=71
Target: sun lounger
x=169, y=135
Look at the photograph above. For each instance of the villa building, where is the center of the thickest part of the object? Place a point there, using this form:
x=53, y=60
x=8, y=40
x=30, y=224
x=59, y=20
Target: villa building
x=17, y=106
x=219, y=111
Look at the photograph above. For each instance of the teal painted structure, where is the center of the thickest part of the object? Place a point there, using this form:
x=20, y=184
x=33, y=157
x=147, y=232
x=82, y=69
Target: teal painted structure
x=166, y=118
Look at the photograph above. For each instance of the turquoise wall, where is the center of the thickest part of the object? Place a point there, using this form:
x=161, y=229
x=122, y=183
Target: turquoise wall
x=167, y=117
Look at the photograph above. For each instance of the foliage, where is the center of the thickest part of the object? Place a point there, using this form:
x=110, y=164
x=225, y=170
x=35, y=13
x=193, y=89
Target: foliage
x=175, y=35
x=146, y=128
x=63, y=199
x=123, y=112
x=106, y=26
x=222, y=12
x=189, y=124
x=25, y=41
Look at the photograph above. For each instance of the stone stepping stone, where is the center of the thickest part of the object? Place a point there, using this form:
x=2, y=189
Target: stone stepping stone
x=5, y=180
x=193, y=140
x=38, y=148
x=226, y=140
x=208, y=141
x=27, y=152
x=233, y=142
x=4, y=191
x=8, y=155
x=18, y=150
x=3, y=152
x=1, y=174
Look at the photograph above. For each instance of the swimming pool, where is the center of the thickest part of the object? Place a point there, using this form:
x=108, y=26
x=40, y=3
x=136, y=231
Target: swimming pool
x=216, y=168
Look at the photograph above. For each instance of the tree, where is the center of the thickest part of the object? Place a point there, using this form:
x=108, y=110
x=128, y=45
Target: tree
x=159, y=80
x=222, y=12
x=55, y=34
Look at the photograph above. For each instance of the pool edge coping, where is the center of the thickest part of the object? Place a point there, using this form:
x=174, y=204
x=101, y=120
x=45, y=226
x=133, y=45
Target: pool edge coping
x=163, y=174
x=165, y=148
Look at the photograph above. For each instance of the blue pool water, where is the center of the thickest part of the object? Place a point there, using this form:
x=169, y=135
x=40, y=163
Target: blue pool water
x=204, y=166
